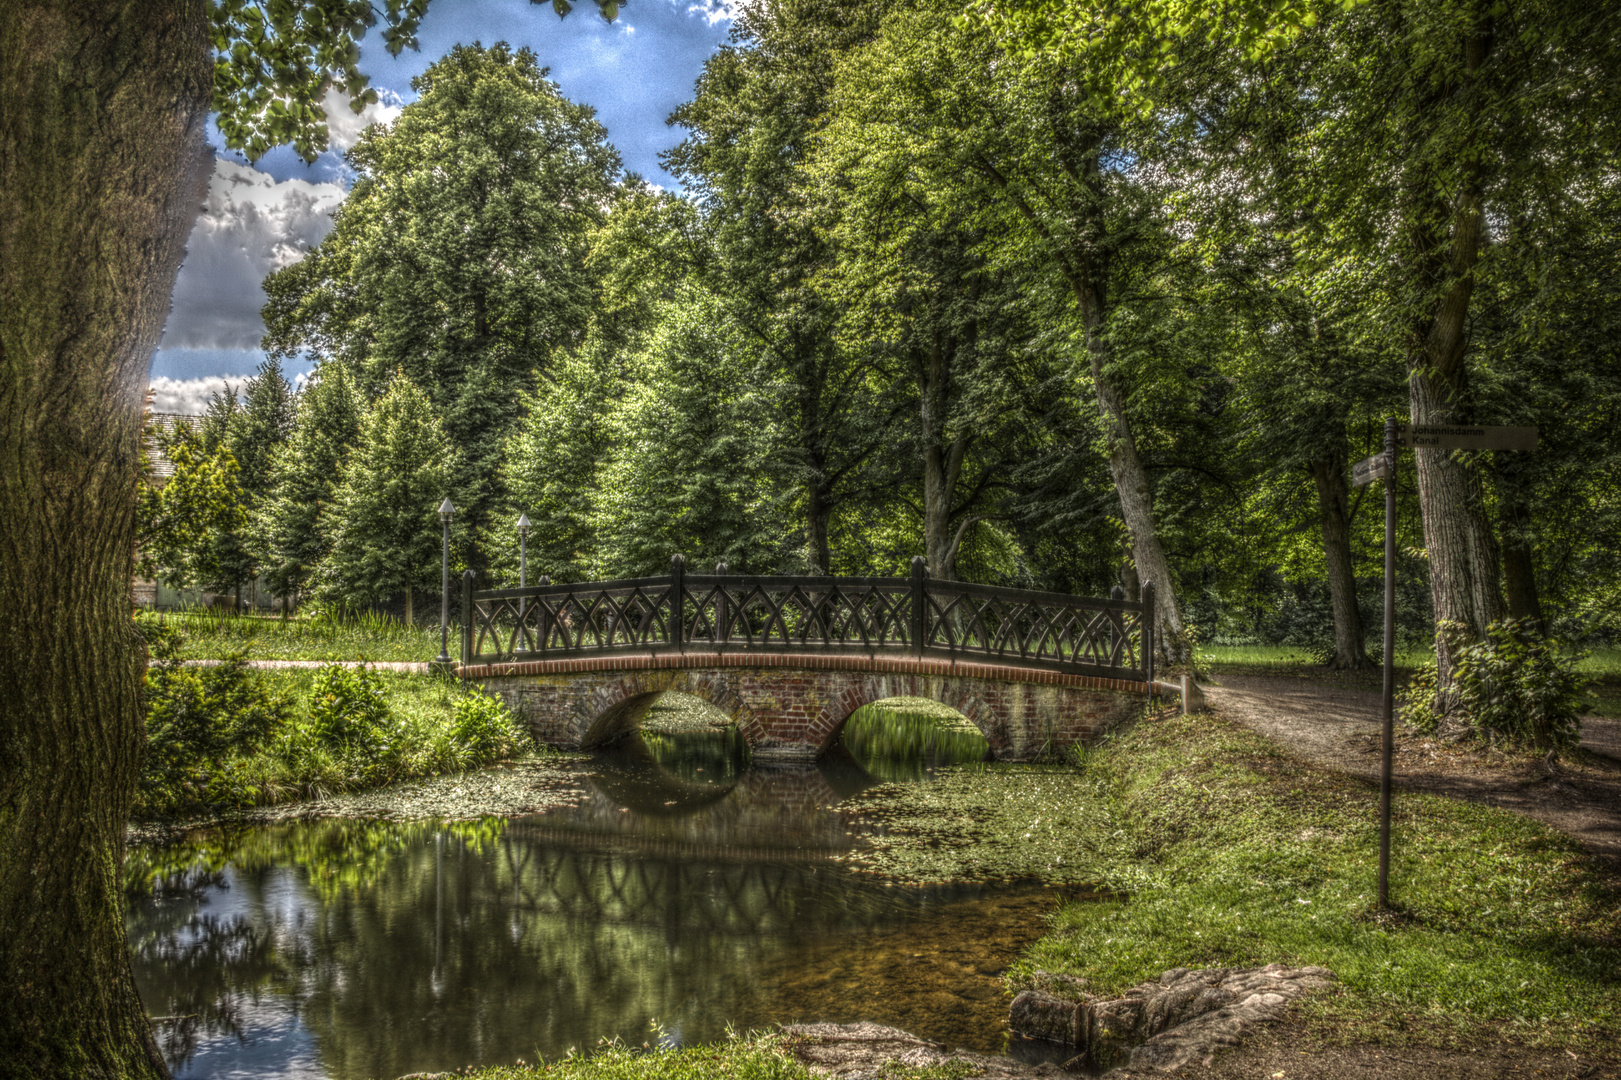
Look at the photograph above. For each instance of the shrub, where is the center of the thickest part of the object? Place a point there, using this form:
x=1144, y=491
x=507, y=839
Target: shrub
x=201, y=725
x=485, y=726
x=348, y=712
x=1514, y=683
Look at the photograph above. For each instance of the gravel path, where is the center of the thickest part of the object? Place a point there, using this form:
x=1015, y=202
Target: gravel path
x=1340, y=727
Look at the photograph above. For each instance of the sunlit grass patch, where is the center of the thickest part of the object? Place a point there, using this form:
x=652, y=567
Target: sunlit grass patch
x=211, y=634
x=901, y=737
x=1230, y=854
x=758, y=1056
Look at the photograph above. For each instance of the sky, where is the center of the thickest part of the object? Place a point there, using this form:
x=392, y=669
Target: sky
x=262, y=217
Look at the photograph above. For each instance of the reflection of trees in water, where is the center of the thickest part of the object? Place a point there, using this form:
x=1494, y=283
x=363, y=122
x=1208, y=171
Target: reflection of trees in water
x=411, y=947
x=196, y=972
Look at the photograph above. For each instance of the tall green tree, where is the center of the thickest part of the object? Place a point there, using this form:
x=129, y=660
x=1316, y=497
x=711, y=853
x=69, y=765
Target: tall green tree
x=459, y=256
x=386, y=532
x=114, y=94
x=294, y=525
x=756, y=246
x=179, y=518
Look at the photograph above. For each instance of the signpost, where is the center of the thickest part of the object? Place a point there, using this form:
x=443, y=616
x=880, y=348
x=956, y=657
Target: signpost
x=1383, y=467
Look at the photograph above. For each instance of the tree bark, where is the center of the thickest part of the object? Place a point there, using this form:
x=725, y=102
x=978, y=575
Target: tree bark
x=1446, y=238
x=410, y=615
x=103, y=167
x=1333, y=497
x=1519, y=564
x=942, y=463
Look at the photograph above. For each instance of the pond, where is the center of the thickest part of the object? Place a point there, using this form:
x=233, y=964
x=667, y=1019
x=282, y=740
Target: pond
x=678, y=894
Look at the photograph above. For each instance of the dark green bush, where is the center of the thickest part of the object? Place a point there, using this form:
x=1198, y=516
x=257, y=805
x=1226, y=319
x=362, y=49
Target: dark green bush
x=348, y=712
x=484, y=725
x=201, y=725
x=1514, y=684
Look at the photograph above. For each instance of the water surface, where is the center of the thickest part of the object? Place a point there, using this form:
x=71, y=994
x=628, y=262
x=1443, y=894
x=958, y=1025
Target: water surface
x=681, y=889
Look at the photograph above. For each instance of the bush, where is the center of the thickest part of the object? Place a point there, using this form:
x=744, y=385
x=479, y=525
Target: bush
x=201, y=725
x=485, y=726
x=348, y=712
x=1515, y=684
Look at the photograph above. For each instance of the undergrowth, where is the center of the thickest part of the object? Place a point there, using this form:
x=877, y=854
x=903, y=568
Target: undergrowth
x=214, y=633
x=1221, y=851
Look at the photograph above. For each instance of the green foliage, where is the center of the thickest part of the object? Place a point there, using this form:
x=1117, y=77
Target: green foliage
x=275, y=61
x=348, y=712
x=486, y=727
x=178, y=520
x=387, y=533
x=1515, y=684
x=330, y=633
x=202, y=726
x=459, y=256
x=899, y=738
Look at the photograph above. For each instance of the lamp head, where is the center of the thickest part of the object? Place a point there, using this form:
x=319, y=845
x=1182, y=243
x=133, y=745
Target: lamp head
x=523, y=524
x=446, y=510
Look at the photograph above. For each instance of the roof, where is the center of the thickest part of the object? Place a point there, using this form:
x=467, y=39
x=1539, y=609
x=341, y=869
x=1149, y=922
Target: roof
x=165, y=422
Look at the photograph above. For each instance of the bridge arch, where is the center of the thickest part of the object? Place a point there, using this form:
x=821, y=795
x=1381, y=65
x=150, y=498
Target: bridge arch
x=790, y=708
x=960, y=698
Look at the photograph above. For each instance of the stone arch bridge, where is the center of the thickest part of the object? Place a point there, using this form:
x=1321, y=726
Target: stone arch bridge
x=789, y=659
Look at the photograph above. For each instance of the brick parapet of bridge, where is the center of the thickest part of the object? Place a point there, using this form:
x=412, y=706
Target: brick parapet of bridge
x=793, y=705
x=886, y=665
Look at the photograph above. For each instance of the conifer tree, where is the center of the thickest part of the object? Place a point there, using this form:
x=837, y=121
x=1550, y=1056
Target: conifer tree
x=292, y=524
x=384, y=520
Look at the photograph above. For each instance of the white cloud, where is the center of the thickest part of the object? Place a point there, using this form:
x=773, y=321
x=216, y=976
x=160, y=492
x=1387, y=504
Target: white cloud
x=251, y=225
x=189, y=396
x=715, y=10
x=345, y=125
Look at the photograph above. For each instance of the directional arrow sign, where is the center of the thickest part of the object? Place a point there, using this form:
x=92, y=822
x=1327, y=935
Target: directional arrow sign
x=1464, y=437
x=1376, y=467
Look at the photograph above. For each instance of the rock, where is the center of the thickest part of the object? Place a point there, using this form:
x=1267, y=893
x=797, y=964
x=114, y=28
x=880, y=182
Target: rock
x=1180, y=1020
x=1041, y=1015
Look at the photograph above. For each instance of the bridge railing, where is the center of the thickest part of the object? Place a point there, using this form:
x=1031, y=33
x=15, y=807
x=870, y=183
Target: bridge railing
x=868, y=616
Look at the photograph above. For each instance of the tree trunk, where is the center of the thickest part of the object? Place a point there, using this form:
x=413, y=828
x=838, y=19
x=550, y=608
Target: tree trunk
x=102, y=170
x=942, y=465
x=1445, y=234
x=1519, y=565
x=1333, y=497
x=410, y=616
x=818, y=512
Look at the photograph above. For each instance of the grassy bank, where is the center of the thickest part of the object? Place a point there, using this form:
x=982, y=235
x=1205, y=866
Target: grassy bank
x=1220, y=850
x=420, y=726
x=210, y=634
x=752, y=1057
x=1226, y=852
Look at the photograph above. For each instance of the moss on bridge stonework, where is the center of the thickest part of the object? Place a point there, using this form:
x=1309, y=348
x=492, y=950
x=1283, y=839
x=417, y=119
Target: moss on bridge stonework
x=794, y=708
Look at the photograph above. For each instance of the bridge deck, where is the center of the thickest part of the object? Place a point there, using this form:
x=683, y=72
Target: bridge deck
x=877, y=665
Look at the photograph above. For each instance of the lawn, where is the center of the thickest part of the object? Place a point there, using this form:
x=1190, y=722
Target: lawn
x=211, y=635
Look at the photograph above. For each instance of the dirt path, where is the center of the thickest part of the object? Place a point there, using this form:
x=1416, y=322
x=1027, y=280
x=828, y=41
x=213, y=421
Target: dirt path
x=1339, y=727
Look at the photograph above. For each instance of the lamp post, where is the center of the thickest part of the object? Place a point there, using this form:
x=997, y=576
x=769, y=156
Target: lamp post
x=523, y=570
x=446, y=512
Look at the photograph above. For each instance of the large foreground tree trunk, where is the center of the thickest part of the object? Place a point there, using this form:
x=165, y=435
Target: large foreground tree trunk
x=102, y=170
x=1328, y=472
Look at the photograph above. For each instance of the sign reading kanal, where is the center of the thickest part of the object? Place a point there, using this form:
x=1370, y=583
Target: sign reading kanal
x=1466, y=437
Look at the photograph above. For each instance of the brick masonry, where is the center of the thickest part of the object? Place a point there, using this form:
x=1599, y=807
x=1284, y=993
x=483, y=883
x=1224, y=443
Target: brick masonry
x=792, y=706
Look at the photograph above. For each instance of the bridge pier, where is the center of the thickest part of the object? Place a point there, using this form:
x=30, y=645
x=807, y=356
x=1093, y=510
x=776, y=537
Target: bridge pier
x=790, y=707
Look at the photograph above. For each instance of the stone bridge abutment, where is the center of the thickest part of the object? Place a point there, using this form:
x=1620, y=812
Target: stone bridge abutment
x=791, y=707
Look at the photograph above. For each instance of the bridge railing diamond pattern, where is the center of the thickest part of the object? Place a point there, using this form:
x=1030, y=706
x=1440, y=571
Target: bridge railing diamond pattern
x=723, y=613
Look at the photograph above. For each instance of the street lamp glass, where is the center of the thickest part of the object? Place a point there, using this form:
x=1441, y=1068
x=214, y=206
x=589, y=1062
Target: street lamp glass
x=445, y=508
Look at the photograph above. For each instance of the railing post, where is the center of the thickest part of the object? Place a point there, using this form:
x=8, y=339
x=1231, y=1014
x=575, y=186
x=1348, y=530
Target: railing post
x=720, y=607
x=467, y=616
x=678, y=599
x=543, y=630
x=1148, y=634
x=919, y=611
